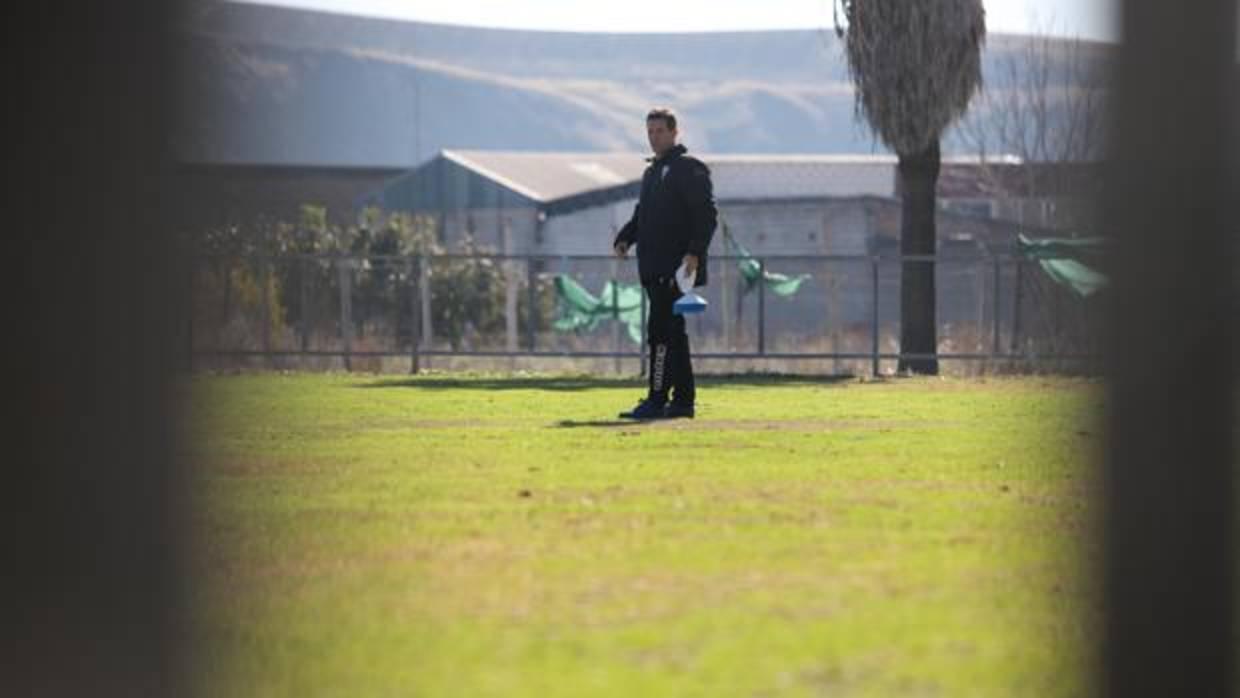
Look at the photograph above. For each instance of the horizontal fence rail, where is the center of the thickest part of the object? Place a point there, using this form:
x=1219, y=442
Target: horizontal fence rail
x=997, y=309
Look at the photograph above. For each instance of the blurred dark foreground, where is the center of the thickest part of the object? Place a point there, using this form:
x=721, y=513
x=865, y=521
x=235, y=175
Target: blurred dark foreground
x=96, y=509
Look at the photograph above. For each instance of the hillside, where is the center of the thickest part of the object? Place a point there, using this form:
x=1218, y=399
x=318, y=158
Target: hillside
x=274, y=85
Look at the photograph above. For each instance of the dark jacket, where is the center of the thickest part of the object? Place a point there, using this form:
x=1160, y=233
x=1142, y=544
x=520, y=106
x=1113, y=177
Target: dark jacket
x=675, y=216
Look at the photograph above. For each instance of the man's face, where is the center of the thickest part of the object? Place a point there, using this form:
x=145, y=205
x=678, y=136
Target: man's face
x=661, y=137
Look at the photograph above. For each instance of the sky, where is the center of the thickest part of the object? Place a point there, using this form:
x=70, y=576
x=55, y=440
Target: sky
x=1089, y=19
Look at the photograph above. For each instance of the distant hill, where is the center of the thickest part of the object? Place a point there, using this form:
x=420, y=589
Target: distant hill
x=281, y=86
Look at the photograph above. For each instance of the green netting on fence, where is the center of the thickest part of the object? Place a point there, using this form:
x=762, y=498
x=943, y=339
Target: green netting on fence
x=1065, y=260
x=751, y=271
x=581, y=311
x=1068, y=260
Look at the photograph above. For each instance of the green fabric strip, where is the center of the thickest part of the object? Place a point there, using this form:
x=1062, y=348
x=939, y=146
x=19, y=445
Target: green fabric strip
x=1067, y=261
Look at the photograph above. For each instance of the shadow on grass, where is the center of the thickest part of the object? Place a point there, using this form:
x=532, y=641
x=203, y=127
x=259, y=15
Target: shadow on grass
x=574, y=423
x=488, y=383
x=577, y=383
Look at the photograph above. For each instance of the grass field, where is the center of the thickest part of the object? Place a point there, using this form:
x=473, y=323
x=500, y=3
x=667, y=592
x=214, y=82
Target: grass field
x=483, y=536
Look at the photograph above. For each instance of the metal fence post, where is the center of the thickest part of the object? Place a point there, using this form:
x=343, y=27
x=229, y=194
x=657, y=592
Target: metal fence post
x=1016, y=301
x=874, y=317
x=345, y=270
x=996, y=311
x=531, y=325
x=306, y=270
x=425, y=292
x=761, y=306
x=615, y=314
x=512, y=307
x=264, y=279
x=415, y=314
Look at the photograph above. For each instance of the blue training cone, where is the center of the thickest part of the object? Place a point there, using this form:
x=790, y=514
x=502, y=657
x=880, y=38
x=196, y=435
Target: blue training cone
x=690, y=302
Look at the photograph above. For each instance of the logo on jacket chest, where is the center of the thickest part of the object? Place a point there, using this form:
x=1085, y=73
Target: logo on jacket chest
x=663, y=172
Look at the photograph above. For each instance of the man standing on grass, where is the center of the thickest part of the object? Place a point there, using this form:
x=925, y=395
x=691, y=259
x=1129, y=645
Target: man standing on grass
x=672, y=224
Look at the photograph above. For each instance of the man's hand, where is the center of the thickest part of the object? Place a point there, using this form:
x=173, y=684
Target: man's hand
x=691, y=264
x=621, y=249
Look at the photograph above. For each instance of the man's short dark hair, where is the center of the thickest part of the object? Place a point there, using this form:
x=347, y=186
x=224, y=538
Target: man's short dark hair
x=668, y=117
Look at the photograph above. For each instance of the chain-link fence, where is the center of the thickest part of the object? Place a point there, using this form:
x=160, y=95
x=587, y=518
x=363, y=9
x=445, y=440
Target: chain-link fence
x=804, y=314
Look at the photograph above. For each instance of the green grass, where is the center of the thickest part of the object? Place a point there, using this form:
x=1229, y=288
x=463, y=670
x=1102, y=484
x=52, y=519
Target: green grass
x=482, y=536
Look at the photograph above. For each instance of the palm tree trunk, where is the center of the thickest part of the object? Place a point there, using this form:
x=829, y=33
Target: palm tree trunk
x=919, y=172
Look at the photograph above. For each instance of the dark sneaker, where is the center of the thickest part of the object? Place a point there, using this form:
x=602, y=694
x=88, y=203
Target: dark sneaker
x=646, y=409
x=675, y=411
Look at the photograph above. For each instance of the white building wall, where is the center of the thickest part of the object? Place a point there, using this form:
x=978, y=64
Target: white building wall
x=585, y=232
x=809, y=228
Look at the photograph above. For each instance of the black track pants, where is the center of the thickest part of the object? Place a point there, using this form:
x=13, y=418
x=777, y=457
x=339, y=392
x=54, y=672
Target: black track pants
x=670, y=365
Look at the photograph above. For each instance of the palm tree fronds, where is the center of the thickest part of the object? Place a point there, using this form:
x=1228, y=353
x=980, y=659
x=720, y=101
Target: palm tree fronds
x=915, y=65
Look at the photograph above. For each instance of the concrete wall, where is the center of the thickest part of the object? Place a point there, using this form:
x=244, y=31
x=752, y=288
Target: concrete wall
x=588, y=231
x=797, y=228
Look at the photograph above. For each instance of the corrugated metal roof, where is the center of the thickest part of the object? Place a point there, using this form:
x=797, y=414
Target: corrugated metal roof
x=550, y=176
x=546, y=177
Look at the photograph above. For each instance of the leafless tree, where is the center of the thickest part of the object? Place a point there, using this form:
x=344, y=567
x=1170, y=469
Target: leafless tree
x=1045, y=103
